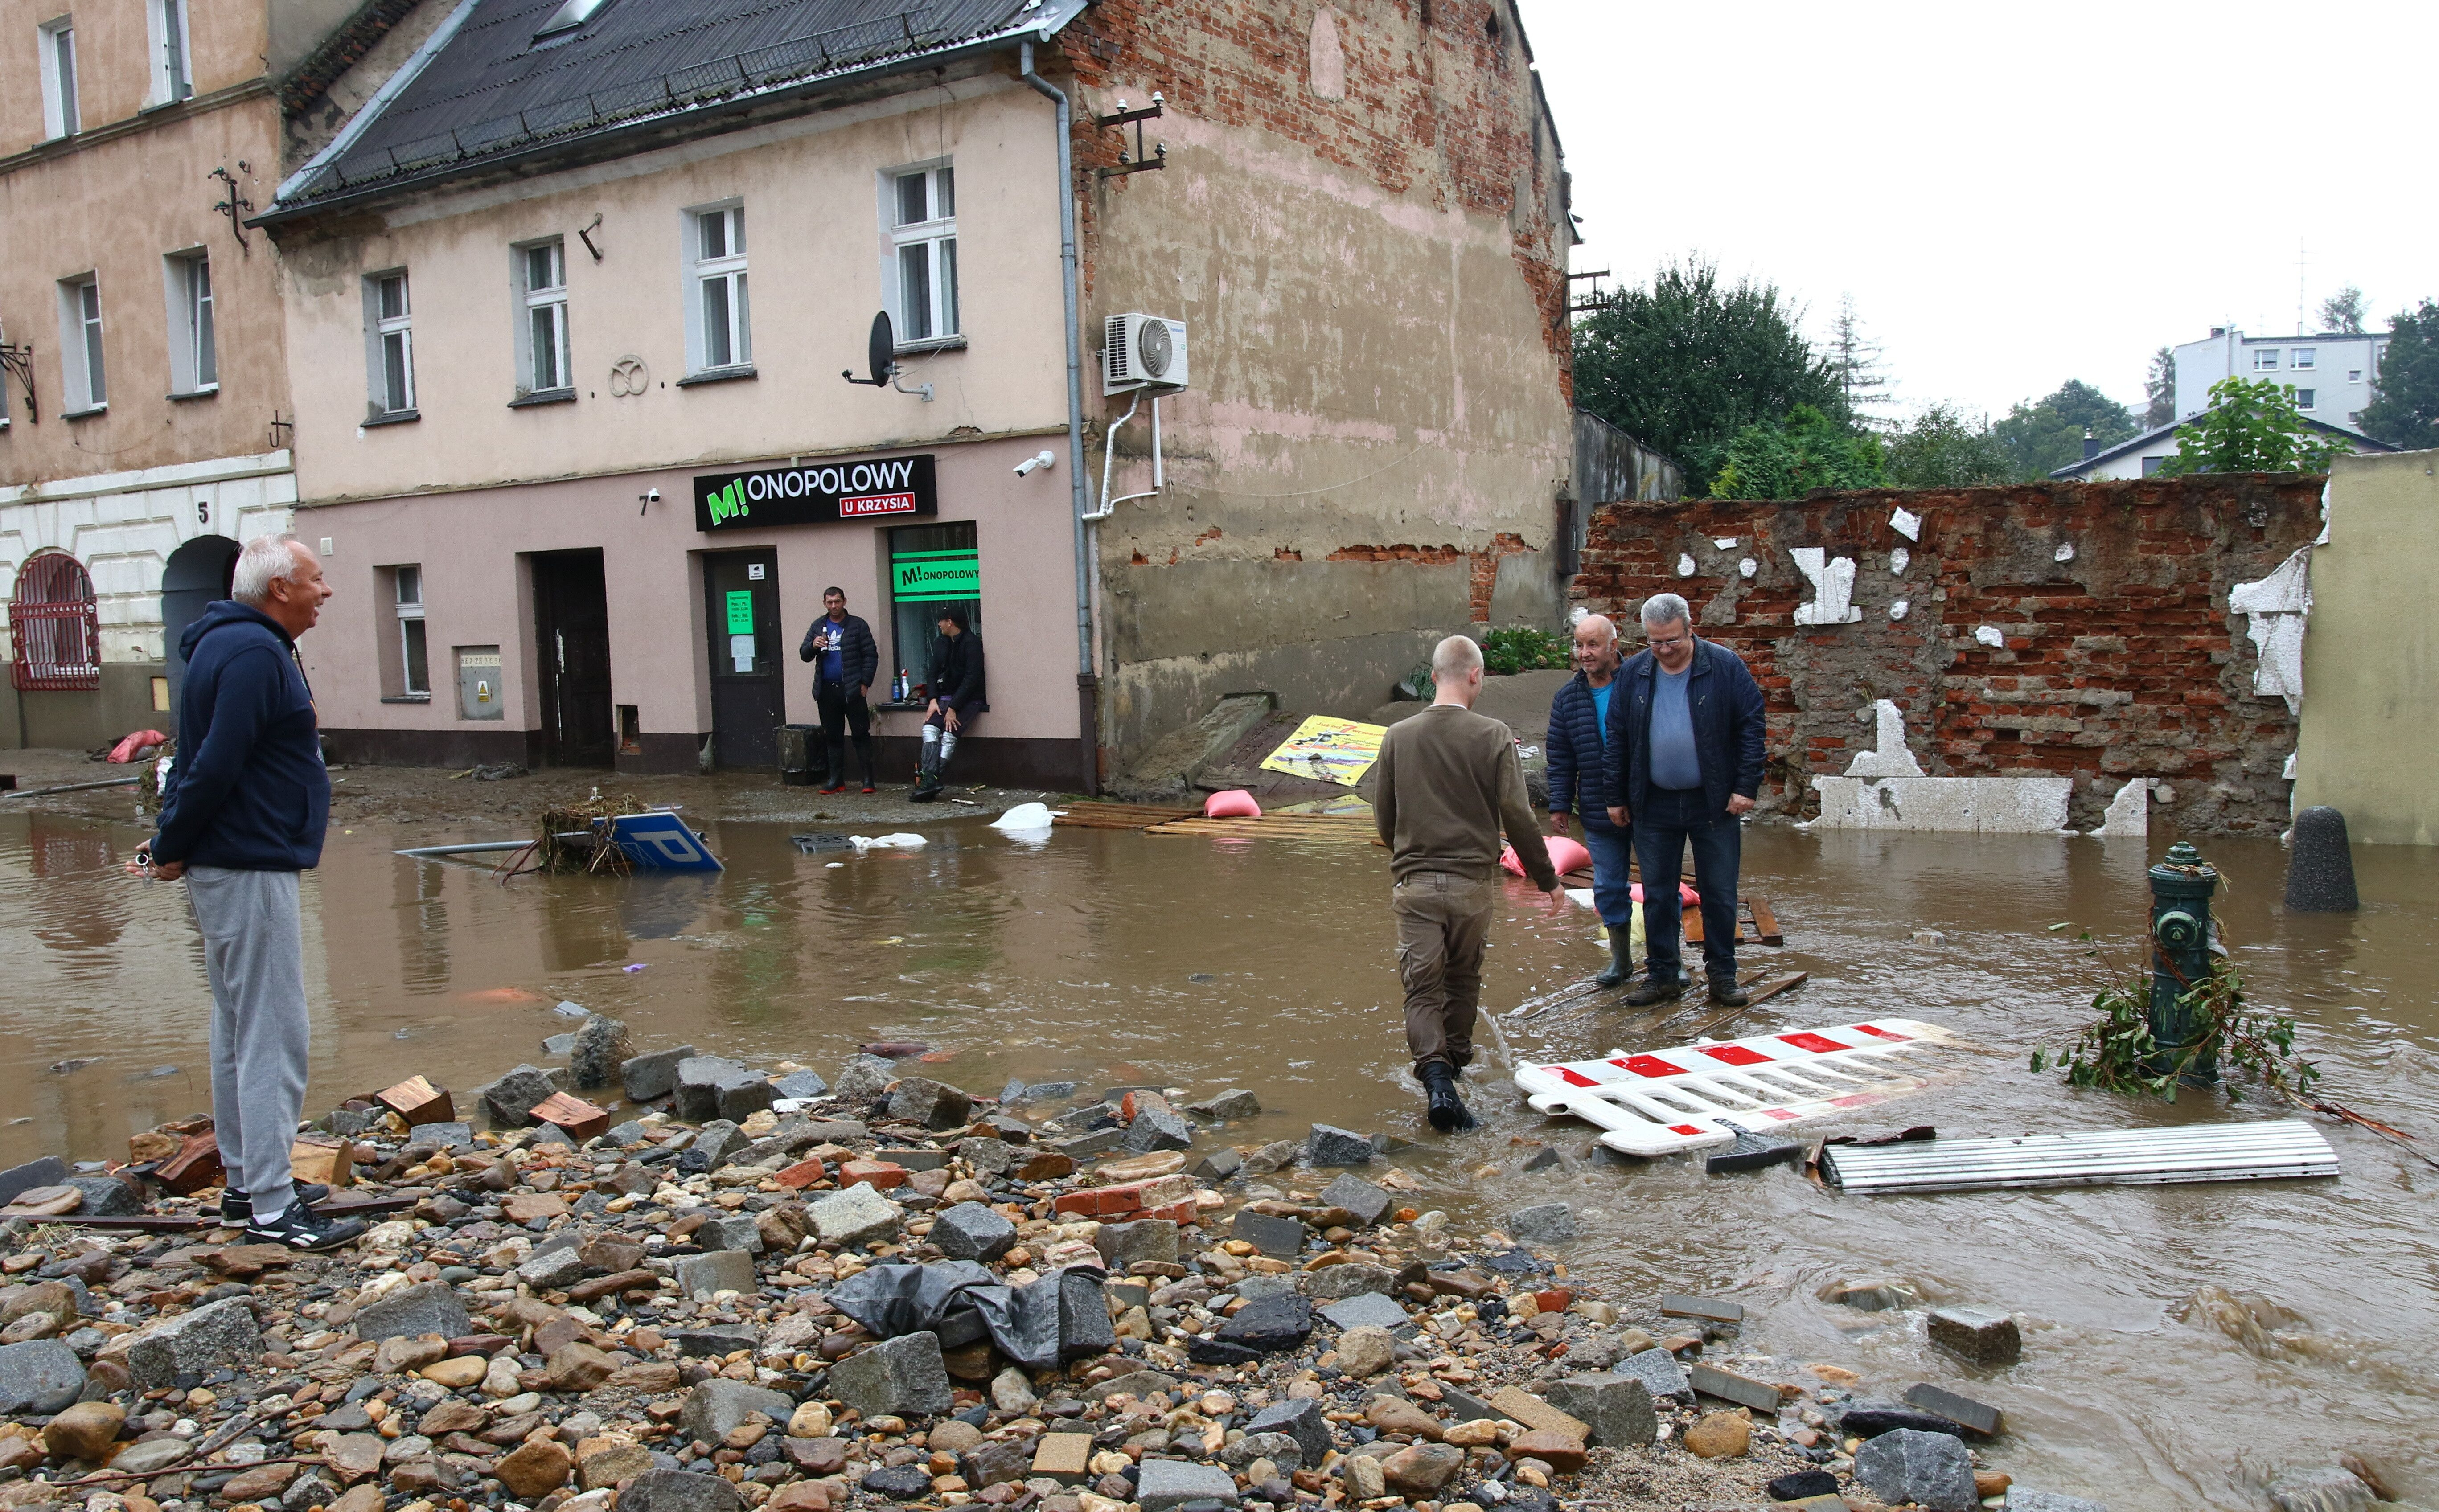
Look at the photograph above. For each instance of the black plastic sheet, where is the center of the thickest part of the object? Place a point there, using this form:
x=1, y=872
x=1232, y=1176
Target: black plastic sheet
x=1059, y=1318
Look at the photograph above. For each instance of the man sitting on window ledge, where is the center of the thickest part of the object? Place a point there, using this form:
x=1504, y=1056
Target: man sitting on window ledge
x=955, y=675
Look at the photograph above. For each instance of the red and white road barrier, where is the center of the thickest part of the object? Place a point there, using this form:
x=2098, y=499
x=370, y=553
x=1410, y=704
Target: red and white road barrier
x=1697, y=1095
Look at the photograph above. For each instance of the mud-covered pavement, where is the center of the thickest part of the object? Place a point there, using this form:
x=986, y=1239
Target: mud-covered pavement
x=1119, y=958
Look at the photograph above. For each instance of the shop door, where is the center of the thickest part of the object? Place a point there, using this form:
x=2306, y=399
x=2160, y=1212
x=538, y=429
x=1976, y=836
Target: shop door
x=742, y=616
x=571, y=631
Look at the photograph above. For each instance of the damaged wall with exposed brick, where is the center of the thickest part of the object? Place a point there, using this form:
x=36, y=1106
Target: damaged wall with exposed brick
x=1363, y=220
x=2118, y=657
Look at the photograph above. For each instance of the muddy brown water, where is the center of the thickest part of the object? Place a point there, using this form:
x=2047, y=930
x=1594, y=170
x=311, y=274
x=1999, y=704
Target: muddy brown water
x=1112, y=957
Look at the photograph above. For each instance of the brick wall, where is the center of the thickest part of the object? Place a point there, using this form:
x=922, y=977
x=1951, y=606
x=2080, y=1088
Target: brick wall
x=2120, y=661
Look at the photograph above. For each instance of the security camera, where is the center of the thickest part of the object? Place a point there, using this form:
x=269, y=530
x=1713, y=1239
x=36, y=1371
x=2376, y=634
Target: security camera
x=652, y=496
x=1039, y=459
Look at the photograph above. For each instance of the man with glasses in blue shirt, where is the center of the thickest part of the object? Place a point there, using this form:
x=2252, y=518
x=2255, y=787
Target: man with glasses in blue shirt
x=1684, y=764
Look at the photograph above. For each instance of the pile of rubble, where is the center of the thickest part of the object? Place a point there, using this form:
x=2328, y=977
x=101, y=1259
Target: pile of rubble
x=766, y=1289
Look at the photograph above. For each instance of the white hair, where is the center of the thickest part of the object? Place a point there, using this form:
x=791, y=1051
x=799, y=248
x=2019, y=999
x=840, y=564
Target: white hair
x=266, y=559
x=1664, y=609
x=1452, y=658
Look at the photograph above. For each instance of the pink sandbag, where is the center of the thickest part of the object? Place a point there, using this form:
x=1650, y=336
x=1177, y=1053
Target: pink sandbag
x=126, y=750
x=1566, y=856
x=1685, y=895
x=1233, y=803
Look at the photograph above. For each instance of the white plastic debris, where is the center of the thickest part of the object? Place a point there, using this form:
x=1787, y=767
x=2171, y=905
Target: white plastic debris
x=900, y=841
x=1907, y=524
x=1991, y=635
x=1724, y=543
x=1897, y=610
x=1898, y=560
x=1024, y=816
x=1747, y=567
x=2065, y=551
x=1684, y=564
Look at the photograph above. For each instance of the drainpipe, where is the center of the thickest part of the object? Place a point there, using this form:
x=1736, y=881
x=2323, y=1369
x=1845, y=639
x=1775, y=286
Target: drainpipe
x=1087, y=685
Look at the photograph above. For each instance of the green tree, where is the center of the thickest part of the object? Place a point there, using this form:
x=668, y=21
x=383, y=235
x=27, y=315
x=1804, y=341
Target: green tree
x=2342, y=312
x=2252, y=427
x=2046, y=435
x=1944, y=448
x=2160, y=389
x=1687, y=363
x=2405, y=412
x=1863, y=383
x=1783, y=459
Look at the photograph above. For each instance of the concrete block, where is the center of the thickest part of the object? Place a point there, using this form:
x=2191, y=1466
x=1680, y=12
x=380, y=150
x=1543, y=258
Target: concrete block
x=508, y=1102
x=1362, y=1198
x=1661, y=1373
x=1547, y=1223
x=221, y=1333
x=1728, y=1386
x=712, y=1086
x=2319, y=865
x=1979, y=1418
x=1335, y=1283
x=1932, y=1470
x=970, y=1231
x=717, y=1406
x=1985, y=806
x=1124, y=1245
x=427, y=1306
x=1301, y=1420
x=1168, y=1484
x=903, y=1375
x=1371, y=1309
x=1710, y=1309
x=1331, y=1146
x=856, y=1216
x=1280, y=1236
x=703, y=1276
x=1980, y=1335
x=651, y=1077
x=731, y=1230
x=930, y=1104
x=1617, y=1408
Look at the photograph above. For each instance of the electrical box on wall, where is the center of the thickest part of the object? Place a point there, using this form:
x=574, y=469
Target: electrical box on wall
x=479, y=693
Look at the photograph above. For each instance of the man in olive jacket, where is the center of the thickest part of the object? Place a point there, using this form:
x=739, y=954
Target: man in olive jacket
x=1447, y=782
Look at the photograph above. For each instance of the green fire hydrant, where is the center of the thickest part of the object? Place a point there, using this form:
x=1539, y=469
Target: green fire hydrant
x=2182, y=886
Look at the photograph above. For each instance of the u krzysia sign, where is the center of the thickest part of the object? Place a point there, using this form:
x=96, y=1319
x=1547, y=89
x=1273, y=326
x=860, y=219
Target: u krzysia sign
x=816, y=494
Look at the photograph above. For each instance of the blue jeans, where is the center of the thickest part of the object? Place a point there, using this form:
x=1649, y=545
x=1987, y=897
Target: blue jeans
x=1612, y=889
x=1664, y=827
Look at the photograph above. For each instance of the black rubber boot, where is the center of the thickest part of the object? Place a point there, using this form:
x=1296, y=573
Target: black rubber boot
x=1446, y=1110
x=927, y=777
x=1621, y=963
x=1656, y=990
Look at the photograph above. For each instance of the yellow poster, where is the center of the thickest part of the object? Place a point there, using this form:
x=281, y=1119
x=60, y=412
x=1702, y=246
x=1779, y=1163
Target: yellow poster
x=1328, y=750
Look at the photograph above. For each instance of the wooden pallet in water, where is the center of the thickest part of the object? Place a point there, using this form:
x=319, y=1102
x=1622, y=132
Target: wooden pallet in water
x=1118, y=816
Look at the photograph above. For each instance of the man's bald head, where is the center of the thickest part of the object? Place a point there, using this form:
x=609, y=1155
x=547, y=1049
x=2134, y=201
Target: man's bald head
x=1595, y=651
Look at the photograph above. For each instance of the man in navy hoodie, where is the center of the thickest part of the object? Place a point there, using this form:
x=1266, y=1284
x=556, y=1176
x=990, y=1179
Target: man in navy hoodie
x=242, y=813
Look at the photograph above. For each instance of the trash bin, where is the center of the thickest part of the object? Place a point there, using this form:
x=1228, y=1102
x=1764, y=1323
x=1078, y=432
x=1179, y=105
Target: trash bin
x=803, y=757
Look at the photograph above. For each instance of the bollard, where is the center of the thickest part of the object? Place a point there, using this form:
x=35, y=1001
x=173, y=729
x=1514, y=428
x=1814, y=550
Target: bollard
x=2182, y=886
x=2319, y=868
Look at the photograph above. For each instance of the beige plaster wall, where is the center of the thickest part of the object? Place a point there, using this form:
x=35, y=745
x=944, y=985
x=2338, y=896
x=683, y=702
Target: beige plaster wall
x=2371, y=653
x=816, y=251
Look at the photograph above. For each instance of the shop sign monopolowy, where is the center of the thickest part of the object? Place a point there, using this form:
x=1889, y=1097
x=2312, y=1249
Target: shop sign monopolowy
x=816, y=494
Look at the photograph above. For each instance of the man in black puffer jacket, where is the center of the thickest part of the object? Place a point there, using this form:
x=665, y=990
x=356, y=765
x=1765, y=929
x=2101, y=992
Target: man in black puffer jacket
x=242, y=813
x=955, y=675
x=1578, y=740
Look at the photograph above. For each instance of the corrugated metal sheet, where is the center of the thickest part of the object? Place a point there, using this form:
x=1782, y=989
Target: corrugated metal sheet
x=2200, y=1152
x=493, y=90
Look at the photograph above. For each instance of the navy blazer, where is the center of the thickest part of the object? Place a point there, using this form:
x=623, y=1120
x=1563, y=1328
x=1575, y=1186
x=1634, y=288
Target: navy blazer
x=1728, y=715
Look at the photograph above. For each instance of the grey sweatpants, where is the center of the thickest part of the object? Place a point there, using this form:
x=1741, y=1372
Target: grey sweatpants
x=254, y=951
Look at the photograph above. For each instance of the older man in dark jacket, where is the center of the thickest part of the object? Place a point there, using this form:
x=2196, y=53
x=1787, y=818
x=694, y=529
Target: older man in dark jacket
x=1577, y=748
x=242, y=813
x=1684, y=763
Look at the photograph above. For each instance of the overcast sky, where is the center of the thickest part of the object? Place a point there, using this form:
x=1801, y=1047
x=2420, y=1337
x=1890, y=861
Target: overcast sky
x=2012, y=194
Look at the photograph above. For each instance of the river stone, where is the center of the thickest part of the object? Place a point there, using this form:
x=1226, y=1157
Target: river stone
x=1549, y=1223
x=1125, y=1245
x=802, y=1085
x=717, y=1140
x=553, y=1269
x=221, y=1333
x=1156, y=1126
x=1418, y=1470
x=679, y=1491
x=855, y=1216
x=970, y=1231
x=1618, y=1408
x=651, y=1076
x=2319, y=865
x=1228, y=1106
x=1358, y=1197
x=1367, y=1351
x=602, y=1047
x=715, y=1086
x=1166, y=1484
x=428, y=1306
x=900, y=1483
x=1660, y=1372
x=718, y=1406
x=48, y=1171
x=1271, y=1324
x=1930, y=1470
x=105, y=1197
x=903, y=1375
x=1872, y=1420
x=731, y=1230
x=714, y=1272
x=864, y=1079
x=1301, y=1420
x=508, y=1102
x=930, y=1104
x=1365, y=1309
x=150, y=1456
x=1336, y=1283
x=37, y=1377
x=1268, y=1232
x=1333, y=1146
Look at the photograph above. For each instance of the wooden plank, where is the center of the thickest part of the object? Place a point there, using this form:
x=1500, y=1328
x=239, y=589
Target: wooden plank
x=1765, y=921
x=1119, y=815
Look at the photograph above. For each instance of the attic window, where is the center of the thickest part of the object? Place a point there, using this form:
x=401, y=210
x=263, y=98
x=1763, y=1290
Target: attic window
x=569, y=16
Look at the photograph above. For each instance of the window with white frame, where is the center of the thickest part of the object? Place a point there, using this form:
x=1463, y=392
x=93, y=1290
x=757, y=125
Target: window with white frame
x=173, y=72
x=82, y=381
x=57, y=41
x=2354, y=375
x=415, y=664
x=2266, y=361
x=2303, y=357
x=542, y=331
x=923, y=206
x=194, y=359
x=720, y=330
x=390, y=346
x=2306, y=397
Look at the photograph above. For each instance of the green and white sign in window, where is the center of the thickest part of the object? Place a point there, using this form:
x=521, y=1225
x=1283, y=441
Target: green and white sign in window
x=924, y=575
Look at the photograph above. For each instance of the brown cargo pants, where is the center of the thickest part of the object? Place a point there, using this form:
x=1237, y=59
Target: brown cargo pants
x=1443, y=923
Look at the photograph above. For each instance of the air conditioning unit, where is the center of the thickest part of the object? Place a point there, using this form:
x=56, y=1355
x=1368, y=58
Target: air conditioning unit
x=1143, y=351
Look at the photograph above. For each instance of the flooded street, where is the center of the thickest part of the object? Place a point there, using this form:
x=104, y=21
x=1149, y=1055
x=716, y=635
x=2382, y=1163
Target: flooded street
x=1110, y=956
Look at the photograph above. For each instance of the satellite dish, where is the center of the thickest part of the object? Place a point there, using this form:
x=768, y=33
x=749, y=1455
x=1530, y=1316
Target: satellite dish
x=881, y=354
x=1153, y=347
